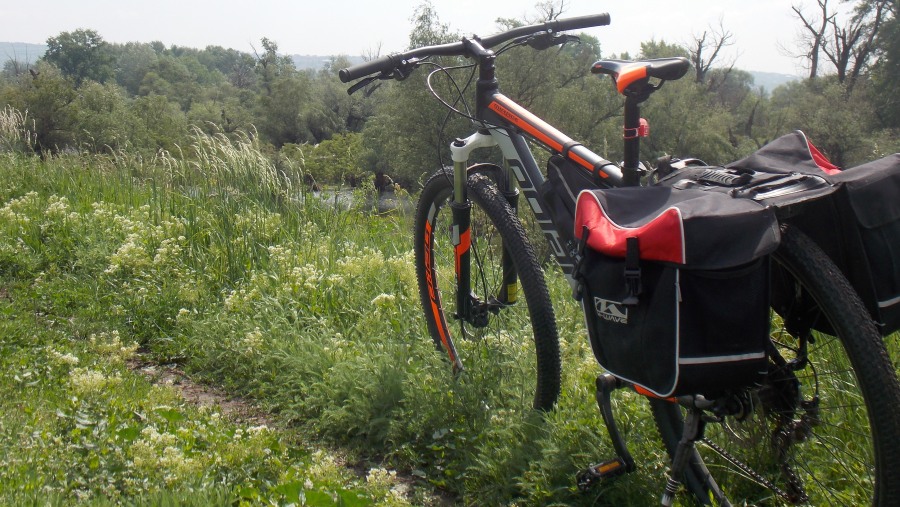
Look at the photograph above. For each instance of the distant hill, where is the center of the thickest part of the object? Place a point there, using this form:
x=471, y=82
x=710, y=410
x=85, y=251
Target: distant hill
x=771, y=80
x=22, y=52
x=29, y=53
x=316, y=62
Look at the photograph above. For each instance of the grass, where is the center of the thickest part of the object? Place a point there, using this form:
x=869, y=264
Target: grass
x=214, y=260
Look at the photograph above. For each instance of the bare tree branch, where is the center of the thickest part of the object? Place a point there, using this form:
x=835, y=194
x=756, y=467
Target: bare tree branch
x=813, y=40
x=712, y=40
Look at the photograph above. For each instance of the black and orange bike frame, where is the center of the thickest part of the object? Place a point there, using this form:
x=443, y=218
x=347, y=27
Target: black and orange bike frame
x=509, y=126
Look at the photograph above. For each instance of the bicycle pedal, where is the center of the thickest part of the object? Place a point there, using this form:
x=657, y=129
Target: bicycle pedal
x=599, y=472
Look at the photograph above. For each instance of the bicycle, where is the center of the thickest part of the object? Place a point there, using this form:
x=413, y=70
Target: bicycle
x=776, y=440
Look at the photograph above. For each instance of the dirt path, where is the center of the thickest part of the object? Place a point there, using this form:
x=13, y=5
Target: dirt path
x=234, y=408
x=243, y=411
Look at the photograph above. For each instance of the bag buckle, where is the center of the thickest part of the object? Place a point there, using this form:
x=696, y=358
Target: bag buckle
x=633, y=284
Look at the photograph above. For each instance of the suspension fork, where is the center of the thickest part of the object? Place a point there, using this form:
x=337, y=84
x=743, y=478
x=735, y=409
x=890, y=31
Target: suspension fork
x=509, y=291
x=461, y=235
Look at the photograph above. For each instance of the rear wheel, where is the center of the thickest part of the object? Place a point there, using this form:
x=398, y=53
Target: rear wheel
x=487, y=340
x=823, y=429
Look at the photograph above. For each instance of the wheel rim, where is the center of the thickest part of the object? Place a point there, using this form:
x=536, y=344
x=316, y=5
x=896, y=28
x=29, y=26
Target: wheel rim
x=500, y=350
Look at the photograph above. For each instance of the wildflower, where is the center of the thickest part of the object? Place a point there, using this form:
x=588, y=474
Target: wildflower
x=252, y=341
x=85, y=382
x=67, y=358
x=254, y=430
x=383, y=300
x=131, y=255
x=381, y=477
x=109, y=344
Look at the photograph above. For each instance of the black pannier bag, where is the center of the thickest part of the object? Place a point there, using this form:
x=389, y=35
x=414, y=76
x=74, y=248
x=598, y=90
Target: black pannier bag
x=675, y=286
x=852, y=214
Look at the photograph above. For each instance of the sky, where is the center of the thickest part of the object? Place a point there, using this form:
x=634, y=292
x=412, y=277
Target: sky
x=761, y=28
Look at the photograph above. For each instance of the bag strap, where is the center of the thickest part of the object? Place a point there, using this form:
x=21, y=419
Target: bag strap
x=632, y=271
x=578, y=269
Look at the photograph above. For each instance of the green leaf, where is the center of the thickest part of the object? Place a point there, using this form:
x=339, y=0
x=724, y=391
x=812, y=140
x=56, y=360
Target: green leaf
x=249, y=492
x=291, y=491
x=319, y=499
x=172, y=415
x=352, y=499
x=128, y=434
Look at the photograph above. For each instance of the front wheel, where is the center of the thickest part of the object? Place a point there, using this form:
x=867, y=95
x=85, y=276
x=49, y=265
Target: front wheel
x=489, y=340
x=824, y=427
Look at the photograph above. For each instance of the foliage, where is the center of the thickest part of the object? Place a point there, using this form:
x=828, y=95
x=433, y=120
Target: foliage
x=81, y=55
x=87, y=94
x=336, y=160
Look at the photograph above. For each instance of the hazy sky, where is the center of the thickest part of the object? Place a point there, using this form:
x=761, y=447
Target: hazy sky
x=357, y=27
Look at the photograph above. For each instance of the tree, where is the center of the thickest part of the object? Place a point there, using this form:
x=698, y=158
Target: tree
x=707, y=48
x=101, y=117
x=81, y=55
x=160, y=124
x=853, y=44
x=837, y=122
x=270, y=66
x=404, y=138
x=48, y=97
x=886, y=72
x=813, y=34
x=848, y=45
x=661, y=49
x=335, y=160
x=281, y=116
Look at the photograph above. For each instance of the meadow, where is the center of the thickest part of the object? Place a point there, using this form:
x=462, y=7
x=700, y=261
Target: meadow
x=215, y=261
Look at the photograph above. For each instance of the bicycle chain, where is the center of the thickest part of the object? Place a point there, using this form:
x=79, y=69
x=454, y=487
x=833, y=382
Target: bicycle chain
x=753, y=474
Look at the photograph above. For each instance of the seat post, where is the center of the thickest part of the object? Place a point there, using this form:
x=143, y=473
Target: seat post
x=632, y=140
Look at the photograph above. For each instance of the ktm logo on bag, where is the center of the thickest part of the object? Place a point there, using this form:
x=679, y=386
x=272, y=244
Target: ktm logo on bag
x=612, y=311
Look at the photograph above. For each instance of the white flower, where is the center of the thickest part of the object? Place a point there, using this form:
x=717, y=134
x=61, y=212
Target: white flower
x=384, y=300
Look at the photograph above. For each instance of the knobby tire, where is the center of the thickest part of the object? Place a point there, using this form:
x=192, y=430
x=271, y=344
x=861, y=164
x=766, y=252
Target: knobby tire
x=494, y=223
x=853, y=454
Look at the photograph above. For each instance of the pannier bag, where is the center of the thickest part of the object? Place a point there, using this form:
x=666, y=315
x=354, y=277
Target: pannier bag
x=852, y=214
x=674, y=285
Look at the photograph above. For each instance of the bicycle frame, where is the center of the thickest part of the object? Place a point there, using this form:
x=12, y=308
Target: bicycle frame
x=505, y=124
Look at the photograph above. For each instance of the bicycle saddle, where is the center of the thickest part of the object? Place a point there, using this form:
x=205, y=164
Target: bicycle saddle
x=628, y=72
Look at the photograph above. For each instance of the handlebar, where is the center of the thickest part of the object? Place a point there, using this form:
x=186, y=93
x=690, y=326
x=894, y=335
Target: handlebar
x=386, y=64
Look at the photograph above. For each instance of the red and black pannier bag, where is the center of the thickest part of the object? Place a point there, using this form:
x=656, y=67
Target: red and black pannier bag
x=852, y=214
x=675, y=286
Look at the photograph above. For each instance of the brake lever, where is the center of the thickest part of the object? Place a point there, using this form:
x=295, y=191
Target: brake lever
x=362, y=83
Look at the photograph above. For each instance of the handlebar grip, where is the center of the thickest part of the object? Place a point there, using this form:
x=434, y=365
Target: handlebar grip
x=582, y=22
x=364, y=69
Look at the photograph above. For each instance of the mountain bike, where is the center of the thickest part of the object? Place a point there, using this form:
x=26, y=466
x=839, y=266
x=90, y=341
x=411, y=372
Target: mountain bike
x=819, y=425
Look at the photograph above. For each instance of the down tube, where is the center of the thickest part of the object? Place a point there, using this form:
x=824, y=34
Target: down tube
x=529, y=179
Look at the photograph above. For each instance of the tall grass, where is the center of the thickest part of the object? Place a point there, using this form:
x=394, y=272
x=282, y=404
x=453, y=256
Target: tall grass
x=214, y=259
x=15, y=136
